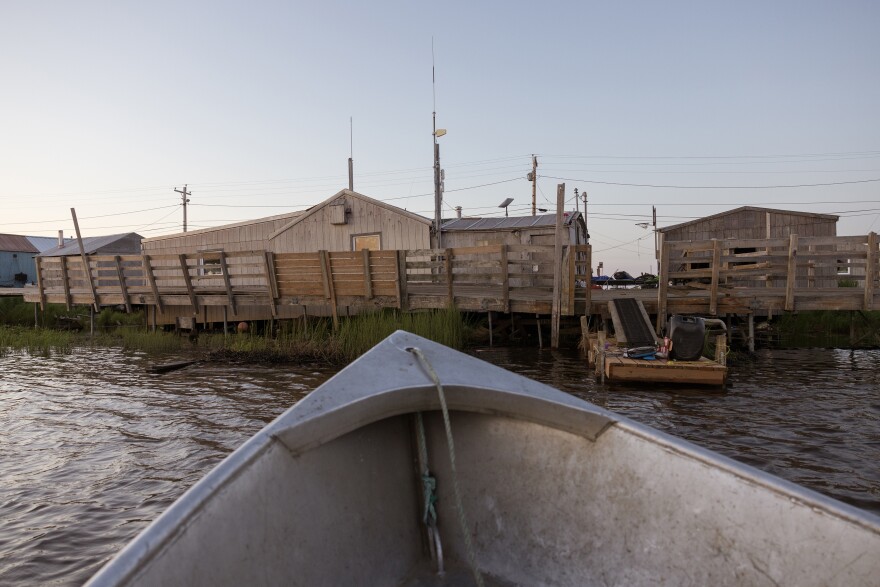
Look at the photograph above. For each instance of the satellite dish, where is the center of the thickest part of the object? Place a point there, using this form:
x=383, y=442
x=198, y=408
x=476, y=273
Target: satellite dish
x=506, y=203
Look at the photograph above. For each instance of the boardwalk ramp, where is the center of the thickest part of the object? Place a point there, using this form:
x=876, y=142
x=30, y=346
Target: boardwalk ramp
x=632, y=326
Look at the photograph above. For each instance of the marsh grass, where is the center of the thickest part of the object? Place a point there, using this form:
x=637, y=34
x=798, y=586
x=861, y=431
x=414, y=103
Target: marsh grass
x=828, y=328
x=40, y=342
x=311, y=340
x=314, y=339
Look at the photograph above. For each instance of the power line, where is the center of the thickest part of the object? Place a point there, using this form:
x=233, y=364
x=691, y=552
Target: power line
x=716, y=187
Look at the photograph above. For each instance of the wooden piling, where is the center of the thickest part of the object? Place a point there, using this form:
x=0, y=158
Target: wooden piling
x=557, y=269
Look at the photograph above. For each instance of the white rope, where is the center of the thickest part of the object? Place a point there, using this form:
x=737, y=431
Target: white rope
x=462, y=520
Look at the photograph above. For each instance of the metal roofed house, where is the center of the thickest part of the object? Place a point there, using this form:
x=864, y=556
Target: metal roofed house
x=17, y=266
x=247, y=235
x=513, y=230
x=128, y=243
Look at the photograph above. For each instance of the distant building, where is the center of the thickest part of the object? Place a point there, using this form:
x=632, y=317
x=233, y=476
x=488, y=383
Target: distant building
x=17, y=266
x=115, y=244
x=513, y=230
x=347, y=221
x=748, y=222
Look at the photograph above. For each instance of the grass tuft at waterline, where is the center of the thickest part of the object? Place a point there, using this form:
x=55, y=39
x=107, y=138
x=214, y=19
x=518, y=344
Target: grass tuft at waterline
x=311, y=340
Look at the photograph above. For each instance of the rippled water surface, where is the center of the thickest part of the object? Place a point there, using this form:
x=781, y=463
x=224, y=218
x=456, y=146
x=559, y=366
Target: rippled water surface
x=94, y=447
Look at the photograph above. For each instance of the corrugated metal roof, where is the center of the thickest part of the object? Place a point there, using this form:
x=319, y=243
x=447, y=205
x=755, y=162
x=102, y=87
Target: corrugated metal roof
x=15, y=243
x=286, y=216
x=44, y=243
x=508, y=223
x=91, y=244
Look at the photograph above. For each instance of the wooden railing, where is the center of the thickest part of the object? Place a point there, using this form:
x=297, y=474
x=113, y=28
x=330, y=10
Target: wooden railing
x=696, y=277
x=506, y=278
x=795, y=273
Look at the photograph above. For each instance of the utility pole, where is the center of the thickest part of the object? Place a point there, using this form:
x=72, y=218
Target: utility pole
x=533, y=177
x=586, y=226
x=184, y=200
x=656, y=241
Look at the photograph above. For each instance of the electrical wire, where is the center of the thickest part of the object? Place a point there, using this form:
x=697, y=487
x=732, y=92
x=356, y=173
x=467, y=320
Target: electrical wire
x=716, y=187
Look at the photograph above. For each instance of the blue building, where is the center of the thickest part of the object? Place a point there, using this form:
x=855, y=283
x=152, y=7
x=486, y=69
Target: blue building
x=17, y=266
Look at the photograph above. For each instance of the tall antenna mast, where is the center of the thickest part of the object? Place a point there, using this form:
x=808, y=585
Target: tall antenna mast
x=351, y=154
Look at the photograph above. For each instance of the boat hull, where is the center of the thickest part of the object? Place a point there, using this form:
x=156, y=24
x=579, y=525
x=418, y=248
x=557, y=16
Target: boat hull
x=555, y=491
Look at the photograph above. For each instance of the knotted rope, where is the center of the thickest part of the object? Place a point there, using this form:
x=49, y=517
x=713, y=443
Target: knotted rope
x=462, y=520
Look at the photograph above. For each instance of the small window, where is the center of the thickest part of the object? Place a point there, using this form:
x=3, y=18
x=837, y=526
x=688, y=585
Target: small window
x=843, y=267
x=372, y=242
x=209, y=265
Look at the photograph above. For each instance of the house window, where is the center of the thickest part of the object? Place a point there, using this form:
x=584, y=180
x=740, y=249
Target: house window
x=372, y=242
x=843, y=267
x=210, y=264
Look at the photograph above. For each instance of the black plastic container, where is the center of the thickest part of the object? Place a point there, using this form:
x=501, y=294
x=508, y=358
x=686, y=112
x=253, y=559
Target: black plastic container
x=687, y=334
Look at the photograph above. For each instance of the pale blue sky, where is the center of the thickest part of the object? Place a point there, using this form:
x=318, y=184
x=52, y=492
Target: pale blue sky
x=108, y=106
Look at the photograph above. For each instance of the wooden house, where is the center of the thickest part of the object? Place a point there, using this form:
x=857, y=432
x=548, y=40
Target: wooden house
x=17, y=265
x=749, y=223
x=347, y=221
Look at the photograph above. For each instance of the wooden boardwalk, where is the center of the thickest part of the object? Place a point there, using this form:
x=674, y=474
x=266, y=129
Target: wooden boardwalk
x=710, y=278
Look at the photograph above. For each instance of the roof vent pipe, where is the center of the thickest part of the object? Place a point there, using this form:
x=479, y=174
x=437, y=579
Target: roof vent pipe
x=458, y=211
x=60, y=238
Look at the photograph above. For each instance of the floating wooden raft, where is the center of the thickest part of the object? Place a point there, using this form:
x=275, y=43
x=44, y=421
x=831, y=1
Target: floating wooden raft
x=606, y=357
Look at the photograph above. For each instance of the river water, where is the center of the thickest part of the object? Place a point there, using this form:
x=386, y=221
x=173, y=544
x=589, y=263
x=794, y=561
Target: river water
x=93, y=447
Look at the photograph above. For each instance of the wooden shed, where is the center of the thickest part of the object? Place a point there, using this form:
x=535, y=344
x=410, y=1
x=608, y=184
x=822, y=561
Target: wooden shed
x=749, y=223
x=349, y=221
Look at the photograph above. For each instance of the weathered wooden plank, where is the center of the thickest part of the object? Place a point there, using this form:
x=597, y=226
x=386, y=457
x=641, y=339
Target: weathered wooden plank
x=65, y=282
x=120, y=275
x=224, y=271
x=368, y=285
x=545, y=249
x=402, y=299
x=184, y=267
x=449, y=277
x=571, y=285
x=329, y=287
x=791, y=277
x=484, y=250
x=505, y=280
x=871, y=272
x=716, y=270
x=662, y=284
